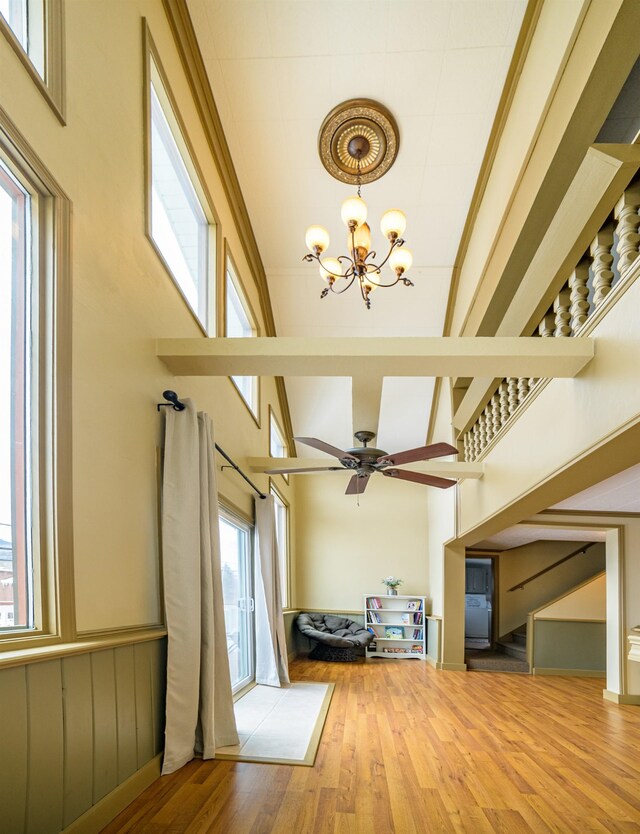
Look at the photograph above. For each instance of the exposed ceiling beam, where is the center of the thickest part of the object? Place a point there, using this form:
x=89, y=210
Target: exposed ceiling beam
x=366, y=391
x=448, y=469
x=354, y=356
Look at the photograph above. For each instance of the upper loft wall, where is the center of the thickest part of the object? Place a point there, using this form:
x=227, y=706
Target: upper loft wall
x=578, y=59
x=123, y=300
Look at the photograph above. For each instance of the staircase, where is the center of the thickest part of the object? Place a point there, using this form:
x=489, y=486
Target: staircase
x=509, y=655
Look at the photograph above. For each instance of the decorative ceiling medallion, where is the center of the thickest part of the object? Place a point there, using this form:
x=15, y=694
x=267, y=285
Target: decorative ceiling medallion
x=358, y=130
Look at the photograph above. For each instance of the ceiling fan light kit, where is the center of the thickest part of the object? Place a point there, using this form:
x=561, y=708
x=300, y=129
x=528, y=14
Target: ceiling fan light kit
x=358, y=143
x=365, y=461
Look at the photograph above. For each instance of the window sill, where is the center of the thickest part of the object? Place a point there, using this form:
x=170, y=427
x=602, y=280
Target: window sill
x=36, y=654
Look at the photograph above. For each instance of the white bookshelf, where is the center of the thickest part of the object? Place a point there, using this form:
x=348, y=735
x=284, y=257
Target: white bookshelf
x=404, y=615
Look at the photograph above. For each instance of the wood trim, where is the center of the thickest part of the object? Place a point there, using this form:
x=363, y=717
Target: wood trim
x=234, y=510
x=52, y=88
x=108, y=808
x=149, y=51
x=617, y=698
x=108, y=640
x=589, y=513
x=567, y=619
x=573, y=673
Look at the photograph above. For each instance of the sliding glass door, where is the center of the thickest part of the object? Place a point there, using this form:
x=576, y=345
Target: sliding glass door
x=237, y=588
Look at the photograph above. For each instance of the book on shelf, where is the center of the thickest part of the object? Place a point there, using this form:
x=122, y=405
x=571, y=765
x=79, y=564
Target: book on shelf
x=374, y=602
x=374, y=617
x=394, y=631
x=372, y=631
x=404, y=618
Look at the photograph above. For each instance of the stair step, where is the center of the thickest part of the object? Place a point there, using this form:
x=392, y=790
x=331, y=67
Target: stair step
x=519, y=637
x=512, y=649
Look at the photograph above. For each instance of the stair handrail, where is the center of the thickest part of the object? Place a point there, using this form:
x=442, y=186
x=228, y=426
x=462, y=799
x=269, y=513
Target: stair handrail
x=524, y=582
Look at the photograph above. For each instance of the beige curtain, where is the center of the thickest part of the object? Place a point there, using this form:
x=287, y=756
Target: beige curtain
x=199, y=711
x=272, y=666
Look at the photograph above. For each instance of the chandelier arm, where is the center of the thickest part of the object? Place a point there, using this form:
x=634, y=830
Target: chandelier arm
x=344, y=289
x=382, y=285
x=346, y=274
x=397, y=242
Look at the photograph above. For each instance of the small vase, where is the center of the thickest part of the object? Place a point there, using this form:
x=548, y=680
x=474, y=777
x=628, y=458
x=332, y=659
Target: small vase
x=392, y=592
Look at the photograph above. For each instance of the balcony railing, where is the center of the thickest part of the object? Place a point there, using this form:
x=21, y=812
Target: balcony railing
x=595, y=283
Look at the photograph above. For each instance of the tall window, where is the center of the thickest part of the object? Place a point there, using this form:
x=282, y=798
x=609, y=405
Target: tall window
x=18, y=329
x=180, y=225
x=240, y=324
x=26, y=19
x=282, y=536
x=235, y=555
x=277, y=443
x=35, y=31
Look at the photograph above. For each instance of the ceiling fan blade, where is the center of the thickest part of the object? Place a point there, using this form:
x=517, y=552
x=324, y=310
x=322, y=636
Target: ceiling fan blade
x=306, y=469
x=321, y=446
x=435, y=450
x=419, y=478
x=357, y=485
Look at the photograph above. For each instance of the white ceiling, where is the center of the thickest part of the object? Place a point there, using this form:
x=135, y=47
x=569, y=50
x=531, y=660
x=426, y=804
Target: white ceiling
x=521, y=534
x=620, y=493
x=276, y=69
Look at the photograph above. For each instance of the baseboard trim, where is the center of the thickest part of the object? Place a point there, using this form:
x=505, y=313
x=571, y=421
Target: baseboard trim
x=572, y=673
x=617, y=698
x=431, y=661
x=451, y=667
x=291, y=656
x=101, y=814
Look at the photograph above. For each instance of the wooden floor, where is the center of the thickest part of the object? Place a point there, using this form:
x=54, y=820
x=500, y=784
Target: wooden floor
x=408, y=750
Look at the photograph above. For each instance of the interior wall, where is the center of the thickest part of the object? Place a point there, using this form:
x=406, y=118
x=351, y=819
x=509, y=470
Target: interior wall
x=344, y=550
x=589, y=602
x=519, y=563
x=123, y=299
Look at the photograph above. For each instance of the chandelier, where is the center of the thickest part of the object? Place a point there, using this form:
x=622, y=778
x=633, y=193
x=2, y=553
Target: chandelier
x=358, y=142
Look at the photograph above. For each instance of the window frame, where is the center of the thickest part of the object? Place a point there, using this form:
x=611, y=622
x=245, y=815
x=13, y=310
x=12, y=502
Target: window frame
x=51, y=508
x=273, y=420
x=52, y=86
x=278, y=496
x=231, y=271
x=153, y=65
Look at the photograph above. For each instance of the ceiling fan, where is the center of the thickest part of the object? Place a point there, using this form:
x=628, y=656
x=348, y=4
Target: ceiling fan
x=365, y=461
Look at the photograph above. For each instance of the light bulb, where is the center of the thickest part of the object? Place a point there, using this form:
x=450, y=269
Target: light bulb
x=361, y=240
x=393, y=224
x=330, y=269
x=400, y=260
x=317, y=238
x=354, y=210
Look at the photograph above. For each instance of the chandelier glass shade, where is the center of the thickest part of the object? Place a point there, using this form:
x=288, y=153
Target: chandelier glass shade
x=360, y=264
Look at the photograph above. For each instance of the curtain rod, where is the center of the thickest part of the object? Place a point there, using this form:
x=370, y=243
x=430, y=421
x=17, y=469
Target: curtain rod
x=174, y=402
